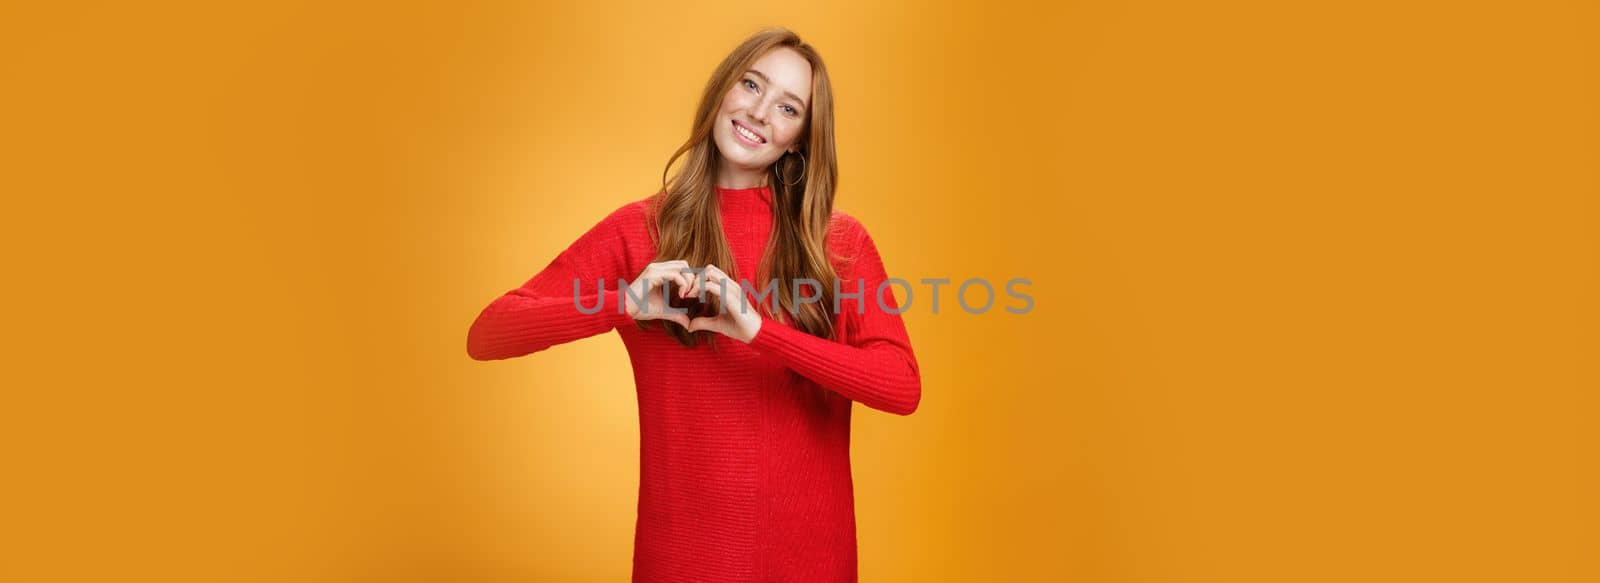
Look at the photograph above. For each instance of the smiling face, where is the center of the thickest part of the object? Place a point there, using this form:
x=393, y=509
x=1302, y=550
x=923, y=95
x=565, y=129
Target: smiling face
x=762, y=116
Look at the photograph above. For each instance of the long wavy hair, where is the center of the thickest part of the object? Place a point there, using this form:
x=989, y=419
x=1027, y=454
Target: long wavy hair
x=687, y=224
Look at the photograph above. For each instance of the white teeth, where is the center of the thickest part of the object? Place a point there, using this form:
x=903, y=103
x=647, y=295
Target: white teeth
x=746, y=133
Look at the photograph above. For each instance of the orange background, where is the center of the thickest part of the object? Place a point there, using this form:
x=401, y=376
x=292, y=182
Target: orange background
x=1315, y=285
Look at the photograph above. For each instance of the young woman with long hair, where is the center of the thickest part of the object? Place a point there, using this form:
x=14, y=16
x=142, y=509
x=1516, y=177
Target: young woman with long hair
x=745, y=394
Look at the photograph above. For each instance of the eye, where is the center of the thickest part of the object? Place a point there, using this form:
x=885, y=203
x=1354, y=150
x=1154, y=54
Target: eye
x=790, y=110
x=750, y=84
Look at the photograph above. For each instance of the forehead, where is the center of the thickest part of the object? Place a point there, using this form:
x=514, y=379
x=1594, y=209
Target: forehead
x=787, y=70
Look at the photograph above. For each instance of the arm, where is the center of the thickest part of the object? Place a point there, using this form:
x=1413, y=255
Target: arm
x=542, y=312
x=875, y=366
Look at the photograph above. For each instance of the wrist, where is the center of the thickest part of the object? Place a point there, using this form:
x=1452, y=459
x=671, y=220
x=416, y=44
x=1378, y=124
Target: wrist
x=753, y=331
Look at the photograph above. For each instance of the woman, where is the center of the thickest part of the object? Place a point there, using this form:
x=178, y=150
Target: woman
x=744, y=404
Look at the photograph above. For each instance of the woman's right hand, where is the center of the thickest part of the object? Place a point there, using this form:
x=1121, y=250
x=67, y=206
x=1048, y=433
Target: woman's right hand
x=650, y=285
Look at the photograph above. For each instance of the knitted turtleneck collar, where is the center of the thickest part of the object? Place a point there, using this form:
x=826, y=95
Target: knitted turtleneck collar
x=753, y=193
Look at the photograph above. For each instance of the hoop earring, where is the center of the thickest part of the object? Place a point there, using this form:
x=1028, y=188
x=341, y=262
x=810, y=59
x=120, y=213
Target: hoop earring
x=802, y=170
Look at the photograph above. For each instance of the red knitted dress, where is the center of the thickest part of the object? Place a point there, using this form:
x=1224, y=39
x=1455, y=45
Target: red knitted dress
x=744, y=452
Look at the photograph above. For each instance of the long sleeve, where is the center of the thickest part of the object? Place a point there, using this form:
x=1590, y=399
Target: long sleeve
x=744, y=449
x=875, y=365
x=543, y=311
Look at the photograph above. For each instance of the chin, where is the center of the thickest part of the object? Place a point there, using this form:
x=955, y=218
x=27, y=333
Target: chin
x=737, y=154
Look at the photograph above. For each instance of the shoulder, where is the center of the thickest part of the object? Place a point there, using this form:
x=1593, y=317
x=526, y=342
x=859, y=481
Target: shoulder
x=617, y=245
x=845, y=232
x=634, y=212
x=848, y=242
x=618, y=232
x=629, y=220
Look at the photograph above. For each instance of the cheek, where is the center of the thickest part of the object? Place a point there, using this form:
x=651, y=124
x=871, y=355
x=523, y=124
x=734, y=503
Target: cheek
x=788, y=133
x=735, y=100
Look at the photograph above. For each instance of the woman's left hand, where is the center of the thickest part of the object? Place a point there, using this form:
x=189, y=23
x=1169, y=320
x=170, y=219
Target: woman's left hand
x=737, y=318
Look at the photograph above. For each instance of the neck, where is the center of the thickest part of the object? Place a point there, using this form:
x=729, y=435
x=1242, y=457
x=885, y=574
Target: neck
x=737, y=178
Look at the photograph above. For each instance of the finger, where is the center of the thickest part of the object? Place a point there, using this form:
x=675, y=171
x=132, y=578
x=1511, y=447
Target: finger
x=680, y=318
x=722, y=294
x=709, y=276
x=683, y=282
x=654, y=271
x=691, y=284
x=652, y=278
x=725, y=284
x=704, y=324
x=659, y=277
x=725, y=290
x=699, y=280
x=714, y=288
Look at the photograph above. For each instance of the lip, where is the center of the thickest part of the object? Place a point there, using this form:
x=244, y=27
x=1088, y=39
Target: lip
x=751, y=130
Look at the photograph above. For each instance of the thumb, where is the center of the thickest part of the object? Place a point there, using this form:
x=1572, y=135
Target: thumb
x=699, y=324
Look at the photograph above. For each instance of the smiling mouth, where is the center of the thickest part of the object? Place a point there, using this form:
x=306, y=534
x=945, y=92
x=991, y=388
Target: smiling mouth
x=747, y=133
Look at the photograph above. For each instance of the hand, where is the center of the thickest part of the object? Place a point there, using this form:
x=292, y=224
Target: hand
x=737, y=318
x=651, y=285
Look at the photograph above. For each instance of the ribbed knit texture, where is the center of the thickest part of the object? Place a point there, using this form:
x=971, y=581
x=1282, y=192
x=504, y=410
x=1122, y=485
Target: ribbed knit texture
x=744, y=450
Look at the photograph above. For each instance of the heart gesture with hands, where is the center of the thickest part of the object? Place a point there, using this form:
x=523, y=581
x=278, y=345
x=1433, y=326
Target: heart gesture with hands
x=652, y=285
x=737, y=317
x=676, y=285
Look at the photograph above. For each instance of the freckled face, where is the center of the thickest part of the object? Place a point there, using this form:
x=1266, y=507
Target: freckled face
x=763, y=114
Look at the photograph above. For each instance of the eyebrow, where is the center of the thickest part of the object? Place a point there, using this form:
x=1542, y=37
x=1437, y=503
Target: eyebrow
x=764, y=78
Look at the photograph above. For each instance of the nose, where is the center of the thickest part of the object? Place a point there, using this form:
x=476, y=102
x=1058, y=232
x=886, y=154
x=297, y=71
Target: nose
x=759, y=113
